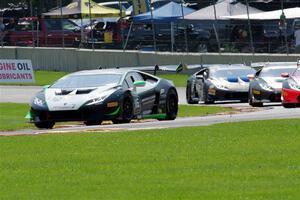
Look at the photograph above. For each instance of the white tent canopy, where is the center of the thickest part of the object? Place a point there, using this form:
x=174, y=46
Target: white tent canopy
x=223, y=8
x=290, y=13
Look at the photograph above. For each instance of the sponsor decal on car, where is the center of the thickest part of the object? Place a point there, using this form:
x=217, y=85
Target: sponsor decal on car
x=112, y=104
x=256, y=91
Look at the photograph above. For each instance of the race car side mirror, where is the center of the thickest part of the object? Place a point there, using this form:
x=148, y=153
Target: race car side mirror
x=139, y=83
x=199, y=76
x=250, y=76
x=284, y=75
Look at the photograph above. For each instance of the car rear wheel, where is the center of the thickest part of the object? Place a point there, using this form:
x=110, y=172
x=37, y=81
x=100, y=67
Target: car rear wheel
x=46, y=125
x=171, y=105
x=127, y=111
x=92, y=122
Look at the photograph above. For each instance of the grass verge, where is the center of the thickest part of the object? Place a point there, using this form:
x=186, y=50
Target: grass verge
x=248, y=160
x=12, y=114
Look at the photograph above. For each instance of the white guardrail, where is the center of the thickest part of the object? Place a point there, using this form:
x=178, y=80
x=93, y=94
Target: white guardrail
x=72, y=59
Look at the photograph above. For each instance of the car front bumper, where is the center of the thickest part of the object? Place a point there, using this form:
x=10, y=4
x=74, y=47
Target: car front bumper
x=290, y=96
x=266, y=95
x=219, y=94
x=85, y=113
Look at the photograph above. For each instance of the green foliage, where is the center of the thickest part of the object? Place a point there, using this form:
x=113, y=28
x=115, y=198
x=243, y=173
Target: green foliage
x=248, y=160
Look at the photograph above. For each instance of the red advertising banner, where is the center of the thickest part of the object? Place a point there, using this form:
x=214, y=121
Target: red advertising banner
x=16, y=71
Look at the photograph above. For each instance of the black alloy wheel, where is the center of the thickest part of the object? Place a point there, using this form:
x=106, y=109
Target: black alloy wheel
x=127, y=111
x=171, y=105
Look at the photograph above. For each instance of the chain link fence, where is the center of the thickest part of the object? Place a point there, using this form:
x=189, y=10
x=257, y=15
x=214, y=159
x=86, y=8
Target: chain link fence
x=181, y=36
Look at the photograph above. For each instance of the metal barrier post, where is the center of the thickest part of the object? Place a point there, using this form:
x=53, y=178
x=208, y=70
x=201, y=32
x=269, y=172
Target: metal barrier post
x=62, y=25
x=250, y=29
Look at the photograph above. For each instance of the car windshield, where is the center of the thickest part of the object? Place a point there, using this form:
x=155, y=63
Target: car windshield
x=276, y=71
x=297, y=72
x=87, y=81
x=222, y=73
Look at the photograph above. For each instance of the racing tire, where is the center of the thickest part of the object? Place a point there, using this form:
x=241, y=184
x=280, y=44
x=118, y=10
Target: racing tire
x=254, y=104
x=92, y=122
x=171, y=105
x=288, y=105
x=189, y=96
x=44, y=125
x=127, y=111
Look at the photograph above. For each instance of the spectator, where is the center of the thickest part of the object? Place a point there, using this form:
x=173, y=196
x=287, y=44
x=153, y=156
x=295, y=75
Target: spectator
x=11, y=25
x=2, y=33
x=297, y=37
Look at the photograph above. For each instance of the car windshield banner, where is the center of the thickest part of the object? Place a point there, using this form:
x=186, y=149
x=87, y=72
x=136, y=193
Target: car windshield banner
x=16, y=71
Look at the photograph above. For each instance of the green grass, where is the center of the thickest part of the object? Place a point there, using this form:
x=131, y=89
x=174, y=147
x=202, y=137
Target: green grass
x=12, y=114
x=248, y=160
x=48, y=77
x=178, y=79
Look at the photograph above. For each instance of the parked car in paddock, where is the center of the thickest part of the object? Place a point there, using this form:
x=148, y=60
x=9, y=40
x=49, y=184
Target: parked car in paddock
x=290, y=94
x=92, y=96
x=219, y=82
x=266, y=84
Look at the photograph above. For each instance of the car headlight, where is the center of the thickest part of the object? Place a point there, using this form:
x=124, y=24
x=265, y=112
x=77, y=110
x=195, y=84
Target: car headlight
x=265, y=86
x=293, y=85
x=219, y=85
x=39, y=102
x=99, y=99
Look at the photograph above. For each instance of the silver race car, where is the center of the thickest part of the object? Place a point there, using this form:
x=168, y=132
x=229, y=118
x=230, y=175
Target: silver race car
x=219, y=82
x=266, y=84
x=95, y=95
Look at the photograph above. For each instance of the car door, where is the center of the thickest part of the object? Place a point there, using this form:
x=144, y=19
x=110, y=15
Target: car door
x=146, y=93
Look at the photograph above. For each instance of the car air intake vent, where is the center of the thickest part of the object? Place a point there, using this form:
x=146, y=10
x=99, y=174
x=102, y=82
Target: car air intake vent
x=63, y=92
x=232, y=79
x=244, y=78
x=84, y=91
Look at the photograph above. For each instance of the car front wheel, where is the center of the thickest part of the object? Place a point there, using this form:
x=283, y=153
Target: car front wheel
x=127, y=111
x=171, y=105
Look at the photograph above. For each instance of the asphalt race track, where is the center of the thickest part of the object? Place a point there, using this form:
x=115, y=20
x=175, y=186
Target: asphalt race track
x=23, y=94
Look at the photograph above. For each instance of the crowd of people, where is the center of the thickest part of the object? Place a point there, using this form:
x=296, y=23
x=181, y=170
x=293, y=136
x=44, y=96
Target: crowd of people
x=5, y=28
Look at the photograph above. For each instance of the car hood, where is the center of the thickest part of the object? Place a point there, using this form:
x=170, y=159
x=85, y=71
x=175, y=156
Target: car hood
x=233, y=83
x=274, y=82
x=72, y=99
